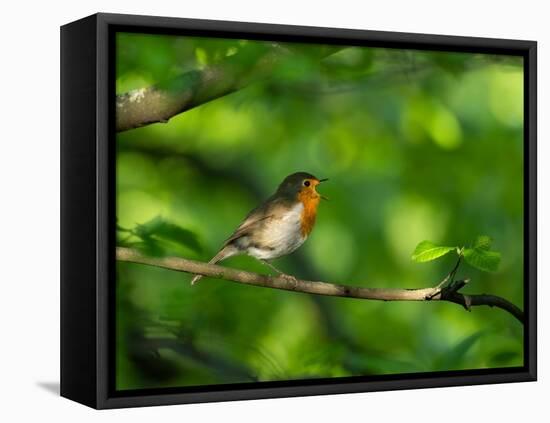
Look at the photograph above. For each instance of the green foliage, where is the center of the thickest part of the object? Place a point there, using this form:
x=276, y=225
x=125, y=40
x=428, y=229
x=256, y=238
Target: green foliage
x=479, y=255
x=405, y=138
x=158, y=227
x=157, y=236
x=482, y=259
x=483, y=242
x=428, y=251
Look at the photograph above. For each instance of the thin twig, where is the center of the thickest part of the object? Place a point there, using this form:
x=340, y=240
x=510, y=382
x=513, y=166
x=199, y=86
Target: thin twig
x=452, y=273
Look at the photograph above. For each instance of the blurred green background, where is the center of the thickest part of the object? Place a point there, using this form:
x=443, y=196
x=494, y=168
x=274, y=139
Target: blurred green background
x=417, y=145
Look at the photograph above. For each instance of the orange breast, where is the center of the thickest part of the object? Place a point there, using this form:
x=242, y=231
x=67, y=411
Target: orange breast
x=310, y=202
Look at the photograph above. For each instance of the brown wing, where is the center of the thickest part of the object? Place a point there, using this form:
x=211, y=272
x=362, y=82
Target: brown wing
x=257, y=217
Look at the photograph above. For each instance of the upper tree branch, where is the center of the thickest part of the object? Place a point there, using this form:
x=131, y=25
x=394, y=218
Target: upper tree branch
x=162, y=101
x=450, y=293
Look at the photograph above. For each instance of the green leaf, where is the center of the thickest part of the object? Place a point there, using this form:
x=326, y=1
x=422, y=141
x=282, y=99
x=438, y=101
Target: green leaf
x=483, y=242
x=160, y=228
x=121, y=229
x=150, y=248
x=428, y=251
x=482, y=259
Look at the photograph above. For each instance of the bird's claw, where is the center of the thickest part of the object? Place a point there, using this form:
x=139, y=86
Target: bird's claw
x=289, y=278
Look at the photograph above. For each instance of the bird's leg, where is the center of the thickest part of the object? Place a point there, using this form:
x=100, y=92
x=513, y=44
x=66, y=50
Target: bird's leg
x=279, y=272
x=272, y=267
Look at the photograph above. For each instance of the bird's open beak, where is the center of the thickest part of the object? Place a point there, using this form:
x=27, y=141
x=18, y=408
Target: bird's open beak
x=323, y=180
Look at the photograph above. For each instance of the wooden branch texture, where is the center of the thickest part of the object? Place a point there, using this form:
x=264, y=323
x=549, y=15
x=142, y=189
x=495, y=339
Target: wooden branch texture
x=162, y=101
x=449, y=294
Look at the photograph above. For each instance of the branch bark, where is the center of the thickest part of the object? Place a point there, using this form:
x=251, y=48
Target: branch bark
x=449, y=293
x=162, y=101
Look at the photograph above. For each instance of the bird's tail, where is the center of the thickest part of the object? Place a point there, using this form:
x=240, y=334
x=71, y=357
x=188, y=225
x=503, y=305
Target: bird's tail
x=225, y=252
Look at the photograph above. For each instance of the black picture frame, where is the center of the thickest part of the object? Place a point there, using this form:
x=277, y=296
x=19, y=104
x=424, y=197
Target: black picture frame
x=87, y=210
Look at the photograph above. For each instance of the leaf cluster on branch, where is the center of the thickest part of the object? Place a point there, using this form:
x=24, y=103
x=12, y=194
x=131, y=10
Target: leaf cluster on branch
x=479, y=255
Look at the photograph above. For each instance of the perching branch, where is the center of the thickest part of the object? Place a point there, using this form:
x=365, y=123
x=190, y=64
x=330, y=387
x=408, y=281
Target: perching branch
x=449, y=293
x=162, y=101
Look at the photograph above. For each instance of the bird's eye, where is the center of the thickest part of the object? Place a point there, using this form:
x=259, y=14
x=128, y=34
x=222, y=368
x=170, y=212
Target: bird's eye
x=307, y=183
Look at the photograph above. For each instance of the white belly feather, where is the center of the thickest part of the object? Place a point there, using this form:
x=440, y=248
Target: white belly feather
x=280, y=236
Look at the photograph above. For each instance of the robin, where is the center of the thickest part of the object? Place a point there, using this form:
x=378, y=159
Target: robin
x=278, y=226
